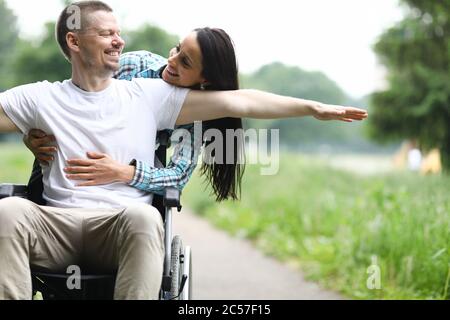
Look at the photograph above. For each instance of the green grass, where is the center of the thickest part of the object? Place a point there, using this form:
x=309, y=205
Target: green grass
x=331, y=223
x=15, y=163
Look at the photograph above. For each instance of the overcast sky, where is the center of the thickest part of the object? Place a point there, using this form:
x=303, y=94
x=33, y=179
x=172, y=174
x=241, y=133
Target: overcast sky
x=332, y=36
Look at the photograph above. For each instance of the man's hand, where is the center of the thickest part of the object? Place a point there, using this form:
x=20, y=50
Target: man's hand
x=325, y=112
x=40, y=144
x=97, y=170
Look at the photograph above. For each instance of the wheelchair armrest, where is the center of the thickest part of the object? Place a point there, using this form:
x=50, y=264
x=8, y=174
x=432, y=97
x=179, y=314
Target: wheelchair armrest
x=171, y=198
x=13, y=190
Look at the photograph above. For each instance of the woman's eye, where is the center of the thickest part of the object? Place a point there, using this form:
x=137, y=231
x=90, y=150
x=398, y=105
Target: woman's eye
x=184, y=62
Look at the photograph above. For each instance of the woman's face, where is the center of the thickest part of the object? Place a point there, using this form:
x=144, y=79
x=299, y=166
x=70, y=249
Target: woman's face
x=184, y=67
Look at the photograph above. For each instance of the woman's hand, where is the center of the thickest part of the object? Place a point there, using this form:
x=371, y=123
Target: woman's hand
x=322, y=111
x=40, y=144
x=98, y=169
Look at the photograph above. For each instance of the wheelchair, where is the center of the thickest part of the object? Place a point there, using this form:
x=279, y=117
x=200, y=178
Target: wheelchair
x=177, y=272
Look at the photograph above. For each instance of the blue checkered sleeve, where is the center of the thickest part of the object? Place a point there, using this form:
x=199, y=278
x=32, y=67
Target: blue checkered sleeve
x=139, y=64
x=180, y=167
x=144, y=64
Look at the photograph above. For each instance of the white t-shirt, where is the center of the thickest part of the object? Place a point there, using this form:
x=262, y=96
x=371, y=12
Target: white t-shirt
x=120, y=121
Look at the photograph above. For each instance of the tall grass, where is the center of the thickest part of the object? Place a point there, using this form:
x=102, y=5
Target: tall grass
x=335, y=225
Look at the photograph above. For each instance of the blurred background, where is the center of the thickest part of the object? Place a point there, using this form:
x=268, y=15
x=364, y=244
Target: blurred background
x=345, y=192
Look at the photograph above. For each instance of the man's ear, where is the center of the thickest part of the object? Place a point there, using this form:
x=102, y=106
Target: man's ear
x=72, y=41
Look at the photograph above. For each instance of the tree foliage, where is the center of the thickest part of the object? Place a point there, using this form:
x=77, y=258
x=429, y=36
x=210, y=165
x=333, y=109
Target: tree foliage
x=8, y=38
x=150, y=38
x=41, y=60
x=416, y=104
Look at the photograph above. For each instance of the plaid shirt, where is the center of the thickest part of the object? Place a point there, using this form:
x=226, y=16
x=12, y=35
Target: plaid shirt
x=144, y=64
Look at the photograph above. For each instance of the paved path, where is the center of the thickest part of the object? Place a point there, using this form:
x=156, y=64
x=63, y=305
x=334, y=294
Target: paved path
x=362, y=164
x=230, y=268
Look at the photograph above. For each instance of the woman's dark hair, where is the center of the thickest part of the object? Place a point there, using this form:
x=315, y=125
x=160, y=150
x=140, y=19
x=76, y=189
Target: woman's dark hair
x=220, y=70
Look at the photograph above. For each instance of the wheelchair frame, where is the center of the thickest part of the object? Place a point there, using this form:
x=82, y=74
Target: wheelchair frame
x=177, y=272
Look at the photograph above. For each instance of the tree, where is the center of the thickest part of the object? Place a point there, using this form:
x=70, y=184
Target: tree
x=8, y=38
x=40, y=61
x=150, y=38
x=416, y=104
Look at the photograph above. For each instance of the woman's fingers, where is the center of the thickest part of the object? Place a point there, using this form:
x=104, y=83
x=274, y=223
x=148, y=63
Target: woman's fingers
x=354, y=117
x=355, y=111
x=80, y=176
x=336, y=112
x=80, y=162
x=77, y=170
x=355, y=114
x=96, y=155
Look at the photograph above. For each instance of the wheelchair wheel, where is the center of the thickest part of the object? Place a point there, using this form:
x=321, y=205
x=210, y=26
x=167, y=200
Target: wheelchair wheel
x=186, y=294
x=176, y=271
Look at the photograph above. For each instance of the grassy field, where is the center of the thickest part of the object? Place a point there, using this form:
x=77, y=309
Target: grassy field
x=335, y=225
x=332, y=224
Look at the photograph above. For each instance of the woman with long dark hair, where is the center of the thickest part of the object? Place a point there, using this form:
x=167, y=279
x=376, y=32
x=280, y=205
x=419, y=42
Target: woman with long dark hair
x=204, y=60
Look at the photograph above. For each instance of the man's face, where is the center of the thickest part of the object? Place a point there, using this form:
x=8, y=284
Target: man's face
x=100, y=43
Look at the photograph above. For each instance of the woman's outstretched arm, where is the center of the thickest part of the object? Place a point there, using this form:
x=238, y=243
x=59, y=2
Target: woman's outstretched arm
x=249, y=103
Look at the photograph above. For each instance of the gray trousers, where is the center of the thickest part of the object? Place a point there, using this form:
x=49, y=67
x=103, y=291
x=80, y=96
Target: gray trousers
x=129, y=240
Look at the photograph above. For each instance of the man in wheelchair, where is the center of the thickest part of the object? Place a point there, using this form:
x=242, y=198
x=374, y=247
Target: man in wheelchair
x=126, y=242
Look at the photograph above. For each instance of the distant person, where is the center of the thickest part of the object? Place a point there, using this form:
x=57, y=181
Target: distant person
x=431, y=163
x=414, y=159
x=409, y=156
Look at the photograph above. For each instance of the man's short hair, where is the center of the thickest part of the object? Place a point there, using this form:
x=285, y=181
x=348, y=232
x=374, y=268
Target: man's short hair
x=66, y=21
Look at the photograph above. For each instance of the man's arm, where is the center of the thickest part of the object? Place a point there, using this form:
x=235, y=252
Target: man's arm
x=6, y=125
x=249, y=103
